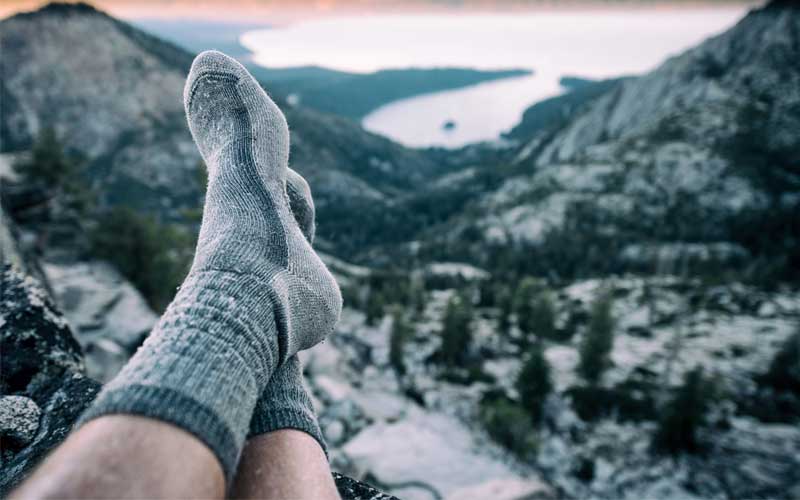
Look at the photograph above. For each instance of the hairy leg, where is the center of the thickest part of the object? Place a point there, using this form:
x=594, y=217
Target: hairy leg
x=125, y=456
x=284, y=464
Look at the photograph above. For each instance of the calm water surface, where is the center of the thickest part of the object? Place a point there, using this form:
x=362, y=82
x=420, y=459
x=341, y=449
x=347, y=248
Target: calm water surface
x=553, y=43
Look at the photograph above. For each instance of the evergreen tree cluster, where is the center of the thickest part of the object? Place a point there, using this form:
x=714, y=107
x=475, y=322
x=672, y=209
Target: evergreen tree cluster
x=50, y=173
x=508, y=424
x=153, y=255
x=48, y=163
x=383, y=289
x=534, y=310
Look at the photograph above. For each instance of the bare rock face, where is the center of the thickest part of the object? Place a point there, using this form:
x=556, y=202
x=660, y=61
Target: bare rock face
x=63, y=400
x=109, y=316
x=102, y=109
x=43, y=386
x=721, y=76
x=35, y=339
x=104, y=82
x=350, y=489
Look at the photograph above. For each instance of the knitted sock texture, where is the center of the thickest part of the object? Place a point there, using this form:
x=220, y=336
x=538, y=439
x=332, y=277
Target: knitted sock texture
x=285, y=403
x=256, y=293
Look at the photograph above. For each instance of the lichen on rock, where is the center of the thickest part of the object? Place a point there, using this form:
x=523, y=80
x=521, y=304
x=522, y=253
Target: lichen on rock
x=19, y=419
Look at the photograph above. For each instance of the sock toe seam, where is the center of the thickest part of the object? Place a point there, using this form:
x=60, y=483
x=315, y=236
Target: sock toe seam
x=229, y=77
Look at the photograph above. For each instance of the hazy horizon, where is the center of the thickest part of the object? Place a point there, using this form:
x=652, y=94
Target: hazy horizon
x=249, y=11
x=552, y=44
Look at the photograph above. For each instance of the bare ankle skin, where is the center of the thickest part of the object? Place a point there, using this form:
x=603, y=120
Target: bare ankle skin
x=284, y=464
x=126, y=456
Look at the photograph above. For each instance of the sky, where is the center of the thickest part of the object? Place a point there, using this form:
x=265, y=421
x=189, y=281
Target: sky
x=288, y=10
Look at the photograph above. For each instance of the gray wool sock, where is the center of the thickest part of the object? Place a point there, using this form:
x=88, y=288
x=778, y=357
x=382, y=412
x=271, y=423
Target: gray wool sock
x=285, y=404
x=256, y=293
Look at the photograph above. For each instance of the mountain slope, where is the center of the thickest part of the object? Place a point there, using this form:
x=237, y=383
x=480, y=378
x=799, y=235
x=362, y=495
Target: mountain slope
x=757, y=58
x=556, y=111
x=113, y=94
x=704, y=150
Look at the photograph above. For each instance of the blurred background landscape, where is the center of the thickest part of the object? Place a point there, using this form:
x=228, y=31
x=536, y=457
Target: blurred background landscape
x=566, y=232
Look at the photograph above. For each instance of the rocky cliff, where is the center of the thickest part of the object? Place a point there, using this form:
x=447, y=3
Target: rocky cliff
x=698, y=96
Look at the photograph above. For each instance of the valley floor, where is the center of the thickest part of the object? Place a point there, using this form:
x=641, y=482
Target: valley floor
x=419, y=436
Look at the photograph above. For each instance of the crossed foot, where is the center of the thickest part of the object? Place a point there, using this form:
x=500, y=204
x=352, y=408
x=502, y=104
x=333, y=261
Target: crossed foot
x=221, y=363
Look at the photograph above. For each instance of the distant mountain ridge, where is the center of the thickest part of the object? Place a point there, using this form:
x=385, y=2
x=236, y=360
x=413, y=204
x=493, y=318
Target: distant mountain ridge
x=352, y=95
x=757, y=58
x=355, y=96
x=704, y=150
x=113, y=94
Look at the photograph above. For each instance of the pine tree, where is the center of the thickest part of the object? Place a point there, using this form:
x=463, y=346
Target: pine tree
x=487, y=290
x=595, y=350
x=456, y=331
x=375, y=305
x=542, y=321
x=508, y=424
x=684, y=415
x=784, y=370
x=401, y=333
x=51, y=169
x=417, y=296
x=534, y=309
x=505, y=305
x=48, y=164
x=534, y=382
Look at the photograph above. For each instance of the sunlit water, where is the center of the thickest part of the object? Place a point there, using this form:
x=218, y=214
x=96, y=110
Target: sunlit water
x=592, y=44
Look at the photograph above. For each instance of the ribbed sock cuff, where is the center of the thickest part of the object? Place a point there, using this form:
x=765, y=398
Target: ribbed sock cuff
x=170, y=406
x=287, y=418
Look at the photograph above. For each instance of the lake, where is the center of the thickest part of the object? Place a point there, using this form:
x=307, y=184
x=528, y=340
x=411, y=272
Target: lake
x=590, y=43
